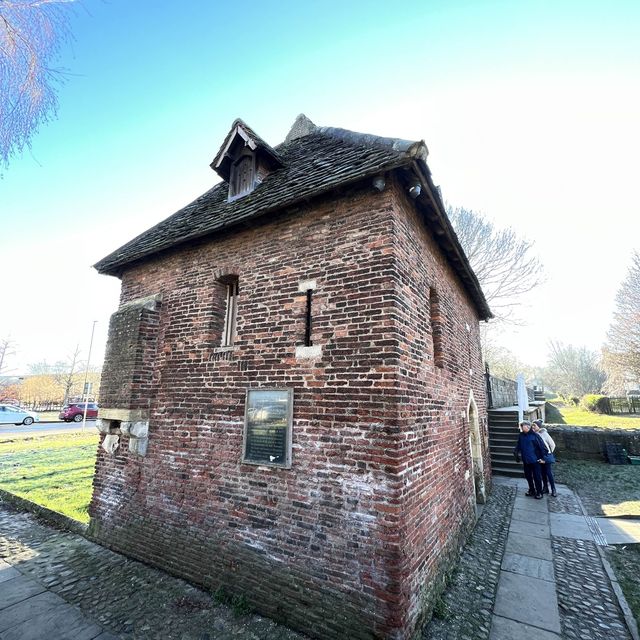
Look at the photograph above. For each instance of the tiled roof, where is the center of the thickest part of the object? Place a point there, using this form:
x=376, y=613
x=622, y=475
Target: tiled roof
x=315, y=160
x=313, y=164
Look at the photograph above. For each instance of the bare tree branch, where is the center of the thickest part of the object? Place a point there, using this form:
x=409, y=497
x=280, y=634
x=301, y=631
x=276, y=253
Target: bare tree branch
x=31, y=34
x=503, y=262
x=621, y=353
x=574, y=370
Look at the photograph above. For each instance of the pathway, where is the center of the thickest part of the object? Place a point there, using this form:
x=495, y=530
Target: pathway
x=554, y=581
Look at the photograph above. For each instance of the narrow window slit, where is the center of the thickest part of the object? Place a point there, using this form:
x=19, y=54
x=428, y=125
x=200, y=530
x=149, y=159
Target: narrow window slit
x=307, y=333
x=229, y=331
x=435, y=314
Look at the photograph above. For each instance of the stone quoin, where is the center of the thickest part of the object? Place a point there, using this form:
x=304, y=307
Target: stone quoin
x=292, y=401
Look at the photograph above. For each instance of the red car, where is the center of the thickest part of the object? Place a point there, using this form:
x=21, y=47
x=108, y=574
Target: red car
x=75, y=411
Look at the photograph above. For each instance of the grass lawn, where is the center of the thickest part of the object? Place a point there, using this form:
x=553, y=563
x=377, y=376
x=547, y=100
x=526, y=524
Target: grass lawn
x=605, y=489
x=557, y=412
x=55, y=471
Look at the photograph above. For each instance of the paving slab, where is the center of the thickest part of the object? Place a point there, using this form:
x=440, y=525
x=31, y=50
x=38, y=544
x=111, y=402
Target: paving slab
x=531, y=503
x=527, y=566
x=528, y=600
x=505, y=480
x=531, y=546
x=18, y=589
x=539, y=530
x=7, y=572
x=527, y=515
x=629, y=530
x=505, y=629
x=569, y=526
x=563, y=490
x=29, y=608
x=64, y=622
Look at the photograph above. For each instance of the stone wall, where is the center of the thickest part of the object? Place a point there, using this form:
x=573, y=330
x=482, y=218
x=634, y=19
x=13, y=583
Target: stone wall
x=352, y=540
x=589, y=442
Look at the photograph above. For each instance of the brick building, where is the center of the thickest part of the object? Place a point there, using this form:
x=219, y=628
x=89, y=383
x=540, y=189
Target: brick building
x=292, y=403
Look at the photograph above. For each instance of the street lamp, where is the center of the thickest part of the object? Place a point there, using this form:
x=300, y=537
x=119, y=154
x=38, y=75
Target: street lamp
x=86, y=375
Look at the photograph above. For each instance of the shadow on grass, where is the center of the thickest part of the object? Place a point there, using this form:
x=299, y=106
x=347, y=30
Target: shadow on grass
x=553, y=415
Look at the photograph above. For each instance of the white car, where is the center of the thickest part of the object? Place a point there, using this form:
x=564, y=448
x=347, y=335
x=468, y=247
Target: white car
x=10, y=414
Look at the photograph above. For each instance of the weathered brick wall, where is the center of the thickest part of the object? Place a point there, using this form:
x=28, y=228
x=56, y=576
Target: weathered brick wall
x=321, y=545
x=130, y=357
x=437, y=492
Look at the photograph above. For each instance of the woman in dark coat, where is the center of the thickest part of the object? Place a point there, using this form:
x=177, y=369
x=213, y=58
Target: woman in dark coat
x=531, y=448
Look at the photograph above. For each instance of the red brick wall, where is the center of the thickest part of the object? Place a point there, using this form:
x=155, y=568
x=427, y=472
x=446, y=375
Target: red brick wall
x=437, y=496
x=378, y=448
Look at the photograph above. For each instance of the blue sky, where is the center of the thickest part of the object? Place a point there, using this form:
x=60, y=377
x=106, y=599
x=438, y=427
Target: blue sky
x=529, y=110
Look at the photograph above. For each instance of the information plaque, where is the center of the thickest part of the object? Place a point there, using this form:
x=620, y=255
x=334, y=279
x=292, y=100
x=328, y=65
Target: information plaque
x=267, y=437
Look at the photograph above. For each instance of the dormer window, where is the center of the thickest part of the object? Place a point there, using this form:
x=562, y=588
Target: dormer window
x=242, y=177
x=244, y=160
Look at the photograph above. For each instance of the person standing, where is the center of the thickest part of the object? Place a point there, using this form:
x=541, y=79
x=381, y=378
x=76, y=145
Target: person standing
x=531, y=448
x=547, y=468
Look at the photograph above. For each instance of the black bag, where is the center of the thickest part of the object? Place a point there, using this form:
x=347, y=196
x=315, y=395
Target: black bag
x=549, y=458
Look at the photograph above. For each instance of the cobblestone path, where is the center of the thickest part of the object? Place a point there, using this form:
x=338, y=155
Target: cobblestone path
x=129, y=599
x=468, y=602
x=588, y=606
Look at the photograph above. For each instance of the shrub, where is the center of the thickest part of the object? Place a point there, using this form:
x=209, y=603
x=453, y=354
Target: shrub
x=596, y=403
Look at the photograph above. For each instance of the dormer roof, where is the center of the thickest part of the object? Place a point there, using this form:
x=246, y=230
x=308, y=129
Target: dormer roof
x=240, y=136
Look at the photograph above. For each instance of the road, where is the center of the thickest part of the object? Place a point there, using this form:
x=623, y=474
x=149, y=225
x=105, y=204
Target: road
x=46, y=428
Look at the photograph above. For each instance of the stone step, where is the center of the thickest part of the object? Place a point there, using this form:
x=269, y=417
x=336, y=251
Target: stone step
x=501, y=448
x=504, y=423
x=507, y=454
x=502, y=441
x=505, y=470
x=507, y=428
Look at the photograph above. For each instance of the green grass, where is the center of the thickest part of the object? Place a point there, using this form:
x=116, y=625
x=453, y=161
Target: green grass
x=54, y=471
x=625, y=561
x=605, y=489
x=557, y=412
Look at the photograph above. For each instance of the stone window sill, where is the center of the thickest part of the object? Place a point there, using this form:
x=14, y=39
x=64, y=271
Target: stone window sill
x=224, y=349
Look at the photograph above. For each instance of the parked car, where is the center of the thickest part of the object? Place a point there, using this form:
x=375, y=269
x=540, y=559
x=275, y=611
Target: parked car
x=74, y=411
x=10, y=414
x=633, y=393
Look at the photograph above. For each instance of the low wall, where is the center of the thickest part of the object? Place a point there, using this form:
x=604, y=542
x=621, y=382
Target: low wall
x=589, y=442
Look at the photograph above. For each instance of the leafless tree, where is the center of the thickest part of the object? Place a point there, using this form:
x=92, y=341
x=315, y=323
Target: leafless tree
x=31, y=34
x=64, y=373
x=7, y=349
x=67, y=374
x=573, y=370
x=504, y=263
x=621, y=354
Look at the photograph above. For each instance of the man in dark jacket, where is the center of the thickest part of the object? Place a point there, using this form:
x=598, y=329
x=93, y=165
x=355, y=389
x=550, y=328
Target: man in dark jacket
x=531, y=448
